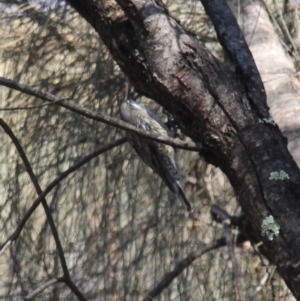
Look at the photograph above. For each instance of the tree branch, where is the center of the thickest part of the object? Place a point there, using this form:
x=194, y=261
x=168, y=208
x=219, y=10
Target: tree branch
x=168, y=64
x=41, y=288
x=55, y=182
x=38, y=189
x=168, y=278
x=235, y=270
x=67, y=281
x=232, y=39
x=70, y=105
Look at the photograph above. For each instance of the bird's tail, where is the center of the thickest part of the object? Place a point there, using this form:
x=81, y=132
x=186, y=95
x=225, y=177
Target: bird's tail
x=127, y=89
x=181, y=195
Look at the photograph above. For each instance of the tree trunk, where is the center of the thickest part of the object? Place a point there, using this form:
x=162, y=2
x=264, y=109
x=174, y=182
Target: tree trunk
x=276, y=69
x=224, y=110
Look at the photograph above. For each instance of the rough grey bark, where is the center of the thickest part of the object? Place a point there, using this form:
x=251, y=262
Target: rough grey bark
x=212, y=106
x=276, y=69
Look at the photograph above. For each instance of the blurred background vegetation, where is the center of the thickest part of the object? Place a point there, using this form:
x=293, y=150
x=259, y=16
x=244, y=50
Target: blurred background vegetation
x=120, y=227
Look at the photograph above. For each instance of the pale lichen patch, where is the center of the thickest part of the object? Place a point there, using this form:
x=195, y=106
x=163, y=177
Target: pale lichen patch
x=279, y=175
x=267, y=121
x=270, y=227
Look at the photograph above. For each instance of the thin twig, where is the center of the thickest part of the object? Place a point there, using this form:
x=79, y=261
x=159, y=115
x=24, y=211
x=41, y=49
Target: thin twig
x=55, y=182
x=255, y=26
x=70, y=105
x=168, y=278
x=30, y=108
x=5, y=246
x=39, y=191
x=72, y=286
x=285, y=30
x=41, y=288
x=228, y=221
x=40, y=106
x=235, y=271
x=67, y=281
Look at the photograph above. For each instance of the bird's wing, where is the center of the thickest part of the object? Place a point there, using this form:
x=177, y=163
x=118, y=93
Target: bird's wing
x=142, y=148
x=148, y=149
x=172, y=178
x=159, y=157
x=163, y=158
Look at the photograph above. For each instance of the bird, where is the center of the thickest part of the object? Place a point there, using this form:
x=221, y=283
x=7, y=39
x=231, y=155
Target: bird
x=161, y=158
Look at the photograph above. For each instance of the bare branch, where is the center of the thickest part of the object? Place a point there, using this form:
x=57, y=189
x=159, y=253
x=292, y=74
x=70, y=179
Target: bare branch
x=168, y=278
x=67, y=281
x=29, y=108
x=72, y=287
x=55, y=182
x=41, y=288
x=231, y=38
x=70, y=105
x=38, y=189
x=235, y=272
x=5, y=246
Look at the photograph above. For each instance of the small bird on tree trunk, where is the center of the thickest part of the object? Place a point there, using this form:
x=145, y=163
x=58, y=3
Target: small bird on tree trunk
x=161, y=158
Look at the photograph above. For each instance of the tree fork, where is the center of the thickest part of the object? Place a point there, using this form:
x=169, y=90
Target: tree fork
x=213, y=106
